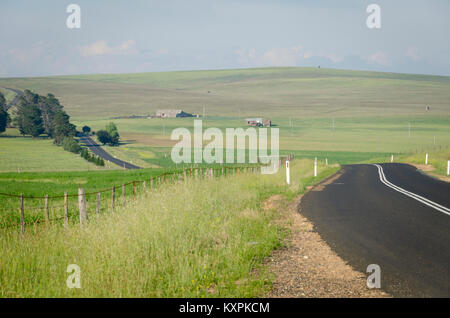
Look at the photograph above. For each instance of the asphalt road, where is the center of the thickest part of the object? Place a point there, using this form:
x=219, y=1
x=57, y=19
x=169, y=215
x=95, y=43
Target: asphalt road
x=393, y=216
x=15, y=100
x=99, y=151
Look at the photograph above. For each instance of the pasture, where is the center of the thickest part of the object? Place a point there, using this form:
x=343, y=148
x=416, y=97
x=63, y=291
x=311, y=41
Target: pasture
x=39, y=154
x=345, y=116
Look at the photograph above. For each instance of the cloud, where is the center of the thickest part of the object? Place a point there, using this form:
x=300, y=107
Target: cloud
x=163, y=51
x=272, y=57
x=281, y=57
x=412, y=53
x=101, y=47
x=378, y=58
x=291, y=56
x=28, y=55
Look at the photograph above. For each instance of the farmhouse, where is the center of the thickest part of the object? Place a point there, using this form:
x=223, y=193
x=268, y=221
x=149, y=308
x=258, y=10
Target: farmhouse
x=172, y=113
x=257, y=122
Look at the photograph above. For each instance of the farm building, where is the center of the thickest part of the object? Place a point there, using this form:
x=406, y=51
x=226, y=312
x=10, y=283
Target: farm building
x=258, y=122
x=172, y=113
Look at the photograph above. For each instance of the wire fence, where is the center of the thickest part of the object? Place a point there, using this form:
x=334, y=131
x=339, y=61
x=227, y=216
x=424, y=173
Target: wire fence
x=69, y=208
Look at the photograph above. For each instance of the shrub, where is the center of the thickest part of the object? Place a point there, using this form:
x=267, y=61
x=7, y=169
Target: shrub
x=103, y=137
x=70, y=144
x=86, y=129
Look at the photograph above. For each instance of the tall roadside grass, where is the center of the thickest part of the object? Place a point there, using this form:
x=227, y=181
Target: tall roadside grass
x=437, y=159
x=199, y=238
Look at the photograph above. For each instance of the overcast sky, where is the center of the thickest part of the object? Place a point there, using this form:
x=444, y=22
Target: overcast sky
x=121, y=36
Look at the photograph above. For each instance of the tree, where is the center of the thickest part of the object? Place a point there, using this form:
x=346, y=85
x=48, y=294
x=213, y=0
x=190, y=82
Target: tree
x=70, y=144
x=86, y=129
x=103, y=137
x=62, y=126
x=111, y=128
x=29, y=120
x=2, y=101
x=3, y=120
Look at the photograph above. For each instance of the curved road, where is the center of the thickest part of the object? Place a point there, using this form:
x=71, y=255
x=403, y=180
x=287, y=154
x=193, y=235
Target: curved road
x=391, y=215
x=15, y=100
x=99, y=151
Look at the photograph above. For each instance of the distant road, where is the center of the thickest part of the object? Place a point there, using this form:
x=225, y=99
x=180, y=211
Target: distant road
x=15, y=100
x=391, y=215
x=99, y=151
x=86, y=140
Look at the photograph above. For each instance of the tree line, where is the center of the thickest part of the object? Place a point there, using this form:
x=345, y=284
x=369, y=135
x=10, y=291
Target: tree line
x=5, y=120
x=37, y=114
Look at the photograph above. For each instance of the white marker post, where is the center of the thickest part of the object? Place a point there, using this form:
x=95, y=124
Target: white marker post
x=326, y=161
x=392, y=158
x=288, y=176
x=426, y=159
x=448, y=167
x=315, y=167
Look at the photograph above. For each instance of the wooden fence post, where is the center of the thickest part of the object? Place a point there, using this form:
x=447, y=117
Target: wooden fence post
x=113, y=197
x=22, y=216
x=184, y=175
x=134, y=190
x=82, y=206
x=66, y=210
x=98, y=203
x=151, y=183
x=165, y=178
x=47, y=218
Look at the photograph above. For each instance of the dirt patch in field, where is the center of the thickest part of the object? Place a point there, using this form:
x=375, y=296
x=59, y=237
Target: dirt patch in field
x=307, y=266
x=428, y=169
x=149, y=140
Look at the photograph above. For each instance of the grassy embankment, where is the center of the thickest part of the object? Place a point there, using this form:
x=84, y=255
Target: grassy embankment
x=202, y=238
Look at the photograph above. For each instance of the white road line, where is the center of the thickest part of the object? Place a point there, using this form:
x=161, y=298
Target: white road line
x=417, y=197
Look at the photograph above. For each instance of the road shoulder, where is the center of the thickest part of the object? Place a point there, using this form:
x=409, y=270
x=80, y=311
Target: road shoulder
x=429, y=170
x=306, y=266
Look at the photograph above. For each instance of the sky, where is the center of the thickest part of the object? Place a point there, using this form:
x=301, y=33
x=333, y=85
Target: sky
x=124, y=36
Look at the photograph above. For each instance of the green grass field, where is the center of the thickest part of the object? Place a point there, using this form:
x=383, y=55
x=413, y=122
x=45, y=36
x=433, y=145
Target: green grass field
x=39, y=154
x=271, y=92
x=9, y=95
x=345, y=116
x=200, y=238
